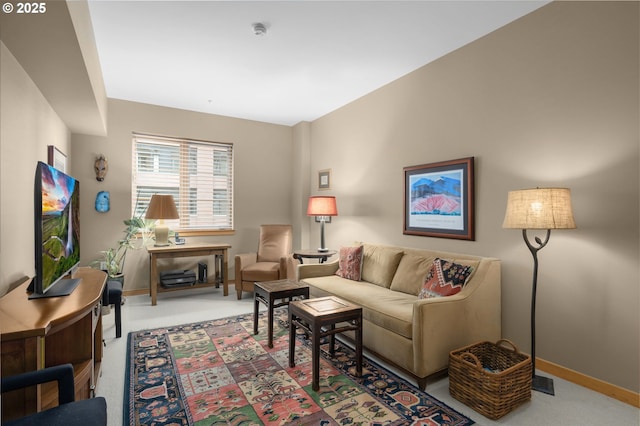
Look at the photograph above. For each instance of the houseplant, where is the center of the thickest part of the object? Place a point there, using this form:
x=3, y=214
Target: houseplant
x=137, y=233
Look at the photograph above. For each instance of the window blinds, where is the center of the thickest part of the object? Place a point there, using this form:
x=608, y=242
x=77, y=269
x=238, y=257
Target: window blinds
x=198, y=174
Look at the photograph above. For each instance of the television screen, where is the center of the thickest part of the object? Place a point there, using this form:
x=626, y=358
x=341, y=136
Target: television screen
x=57, y=231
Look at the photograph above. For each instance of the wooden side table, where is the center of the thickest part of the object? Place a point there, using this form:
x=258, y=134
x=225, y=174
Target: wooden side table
x=318, y=317
x=186, y=250
x=270, y=291
x=313, y=254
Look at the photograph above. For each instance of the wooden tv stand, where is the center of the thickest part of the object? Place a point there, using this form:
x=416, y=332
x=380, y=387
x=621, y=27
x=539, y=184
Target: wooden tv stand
x=40, y=333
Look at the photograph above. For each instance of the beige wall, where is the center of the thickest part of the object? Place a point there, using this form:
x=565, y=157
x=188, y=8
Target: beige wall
x=28, y=124
x=549, y=100
x=262, y=181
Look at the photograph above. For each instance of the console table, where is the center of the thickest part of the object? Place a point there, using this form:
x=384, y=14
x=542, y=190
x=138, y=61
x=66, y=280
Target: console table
x=45, y=332
x=187, y=250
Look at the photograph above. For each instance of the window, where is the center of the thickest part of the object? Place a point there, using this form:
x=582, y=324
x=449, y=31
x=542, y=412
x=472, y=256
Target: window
x=198, y=174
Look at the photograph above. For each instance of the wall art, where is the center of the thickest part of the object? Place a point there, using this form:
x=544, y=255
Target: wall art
x=439, y=199
x=56, y=158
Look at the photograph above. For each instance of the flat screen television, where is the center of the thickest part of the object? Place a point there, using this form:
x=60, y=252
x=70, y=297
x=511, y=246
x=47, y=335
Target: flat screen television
x=57, y=232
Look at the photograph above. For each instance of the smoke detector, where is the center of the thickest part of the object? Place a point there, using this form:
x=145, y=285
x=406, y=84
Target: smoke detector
x=259, y=29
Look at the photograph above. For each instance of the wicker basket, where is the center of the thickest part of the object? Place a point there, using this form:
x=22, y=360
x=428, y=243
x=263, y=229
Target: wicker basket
x=490, y=378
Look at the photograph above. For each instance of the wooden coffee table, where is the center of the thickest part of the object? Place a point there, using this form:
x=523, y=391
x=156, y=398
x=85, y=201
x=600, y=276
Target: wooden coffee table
x=318, y=317
x=268, y=293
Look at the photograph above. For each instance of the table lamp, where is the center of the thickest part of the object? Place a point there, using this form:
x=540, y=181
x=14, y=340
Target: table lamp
x=162, y=207
x=539, y=208
x=322, y=207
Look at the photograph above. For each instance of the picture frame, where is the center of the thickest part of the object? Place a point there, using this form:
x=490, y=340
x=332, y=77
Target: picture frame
x=56, y=158
x=324, y=179
x=439, y=199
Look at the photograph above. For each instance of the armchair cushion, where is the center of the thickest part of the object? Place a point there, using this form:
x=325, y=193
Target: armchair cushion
x=261, y=271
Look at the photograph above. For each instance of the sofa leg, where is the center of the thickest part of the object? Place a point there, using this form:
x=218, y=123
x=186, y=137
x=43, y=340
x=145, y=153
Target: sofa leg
x=422, y=383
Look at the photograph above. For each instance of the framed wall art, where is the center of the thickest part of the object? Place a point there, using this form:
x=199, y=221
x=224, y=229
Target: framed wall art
x=439, y=199
x=324, y=179
x=56, y=158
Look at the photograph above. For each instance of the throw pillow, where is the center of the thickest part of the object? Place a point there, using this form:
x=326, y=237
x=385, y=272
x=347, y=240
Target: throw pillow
x=445, y=278
x=350, y=263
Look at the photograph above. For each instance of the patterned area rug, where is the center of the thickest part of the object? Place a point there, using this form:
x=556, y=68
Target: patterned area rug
x=219, y=373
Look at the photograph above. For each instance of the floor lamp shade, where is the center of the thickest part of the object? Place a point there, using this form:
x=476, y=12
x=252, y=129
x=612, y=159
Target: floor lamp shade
x=322, y=206
x=162, y=207
x=539, y=208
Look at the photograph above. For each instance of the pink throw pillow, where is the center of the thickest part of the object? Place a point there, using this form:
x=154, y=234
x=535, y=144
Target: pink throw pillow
x=350, y=263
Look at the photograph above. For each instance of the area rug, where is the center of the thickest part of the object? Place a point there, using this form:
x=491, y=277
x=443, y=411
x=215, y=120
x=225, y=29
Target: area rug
x=219, y=373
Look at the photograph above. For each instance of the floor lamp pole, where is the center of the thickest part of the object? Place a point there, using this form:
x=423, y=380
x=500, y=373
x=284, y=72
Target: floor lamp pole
x=539, y=383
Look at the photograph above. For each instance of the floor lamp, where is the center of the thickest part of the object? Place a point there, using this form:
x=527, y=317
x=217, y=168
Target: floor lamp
x=323, y=207
x=541, y=209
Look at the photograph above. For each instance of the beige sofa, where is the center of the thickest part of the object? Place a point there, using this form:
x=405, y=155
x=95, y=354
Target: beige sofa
x=414, y=334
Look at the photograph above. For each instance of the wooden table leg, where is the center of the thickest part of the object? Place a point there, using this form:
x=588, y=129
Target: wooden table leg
x=292, y=339
x=153, y=280
x=359, y=348
x=255, y=313
x=315, y=357
x=225, y=281
x=270, y=320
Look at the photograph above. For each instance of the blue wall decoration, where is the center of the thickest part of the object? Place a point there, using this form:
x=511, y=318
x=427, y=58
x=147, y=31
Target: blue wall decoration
x=103, y=202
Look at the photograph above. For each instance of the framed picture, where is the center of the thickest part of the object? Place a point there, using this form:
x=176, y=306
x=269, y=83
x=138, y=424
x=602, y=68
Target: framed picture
x=56, y=158
x=439, y=201
x=324, y=179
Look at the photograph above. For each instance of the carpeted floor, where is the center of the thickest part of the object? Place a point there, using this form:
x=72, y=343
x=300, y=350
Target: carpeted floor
x=218, y=372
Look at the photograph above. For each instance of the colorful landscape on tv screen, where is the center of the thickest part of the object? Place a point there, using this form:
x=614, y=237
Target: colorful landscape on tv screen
x=60, y=224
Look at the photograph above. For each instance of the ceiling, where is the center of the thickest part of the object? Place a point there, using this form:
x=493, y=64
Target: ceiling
x=315, y=57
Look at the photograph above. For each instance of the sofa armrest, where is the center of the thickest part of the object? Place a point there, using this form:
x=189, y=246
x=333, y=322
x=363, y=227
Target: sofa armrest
x=312, y=270
x=443, y=324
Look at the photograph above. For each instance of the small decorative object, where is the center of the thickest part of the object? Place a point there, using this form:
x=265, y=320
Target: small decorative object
x=101, y=166
x=162, y=207
x=324, y=179
x=103, y=202
x=322, y=207
x=542, y=209
x=439, y=199
x=56, y=158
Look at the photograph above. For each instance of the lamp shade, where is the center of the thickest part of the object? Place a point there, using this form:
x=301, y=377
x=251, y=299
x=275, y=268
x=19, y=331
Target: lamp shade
x=162, y=207
x=539, y=208
x=322, y=206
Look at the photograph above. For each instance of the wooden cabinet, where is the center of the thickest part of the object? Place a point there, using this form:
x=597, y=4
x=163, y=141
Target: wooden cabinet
x=40, y=333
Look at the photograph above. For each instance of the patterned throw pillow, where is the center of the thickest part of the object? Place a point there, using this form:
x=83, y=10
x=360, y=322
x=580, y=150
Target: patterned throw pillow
x=350, y=263
x=444, y=279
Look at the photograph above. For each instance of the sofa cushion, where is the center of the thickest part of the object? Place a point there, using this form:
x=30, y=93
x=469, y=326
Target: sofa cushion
x=350, y=263
x=445, y=278
x=410, y=274
x=379, y=264
x=392, y=310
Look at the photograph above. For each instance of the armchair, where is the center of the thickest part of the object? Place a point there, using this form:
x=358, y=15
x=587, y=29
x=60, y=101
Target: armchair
x=88, y=412
x=269, y=263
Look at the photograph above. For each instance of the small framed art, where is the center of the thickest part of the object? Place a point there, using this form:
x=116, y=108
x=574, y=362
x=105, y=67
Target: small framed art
x=56, y=158
x=439, y=199
x=324, y=179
